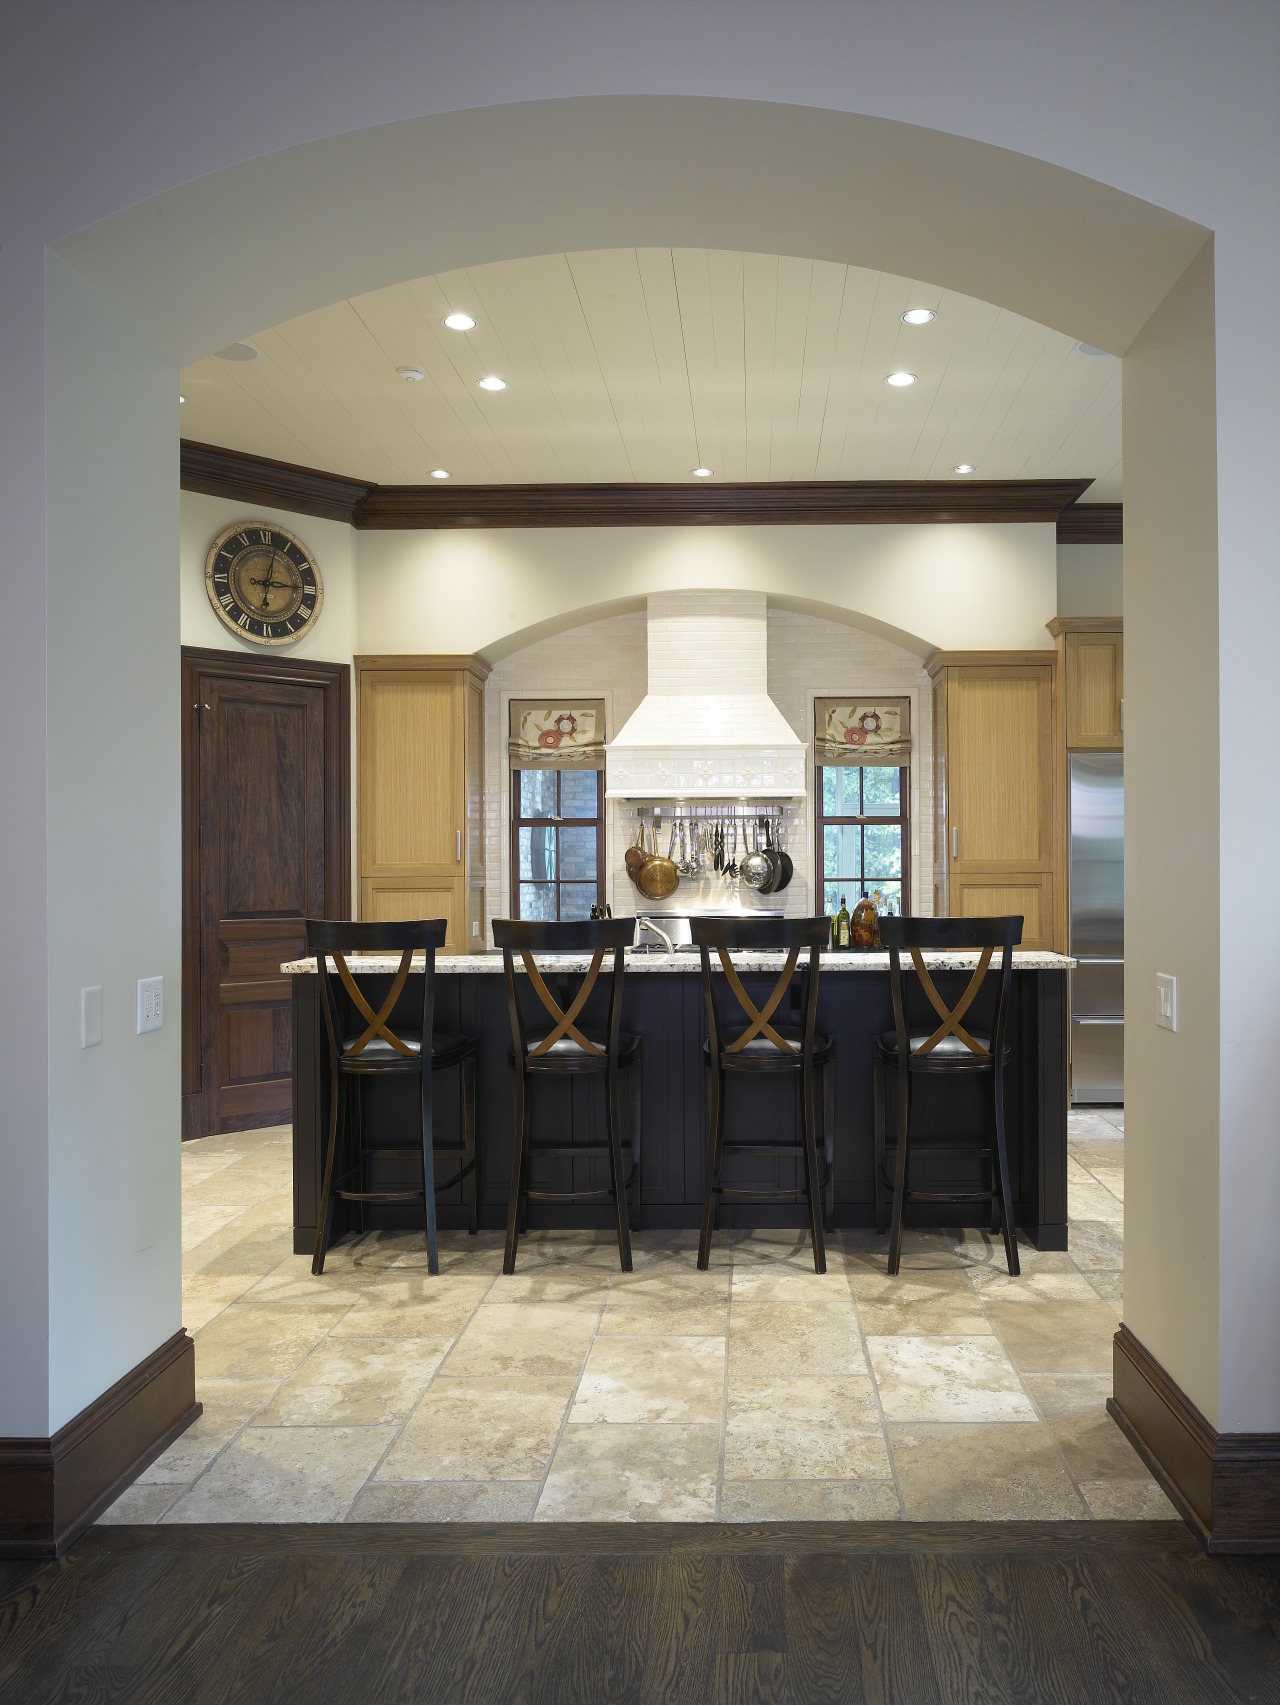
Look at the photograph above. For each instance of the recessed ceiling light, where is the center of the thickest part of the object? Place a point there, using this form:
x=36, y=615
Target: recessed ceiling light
x=900, y=379
x=702, y=473
x=492, y=383
x=410, y=375
x=1089, y=349
x=238, y=352
x=459, y=322
x=440, y=474
x=964, y=468
x=181, y=398
x=918, y=316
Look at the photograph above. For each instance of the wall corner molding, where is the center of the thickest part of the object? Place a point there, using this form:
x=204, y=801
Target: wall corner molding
x=1226, y=1485
x=52, y=1489
x=1091, y=524
x=251, y=479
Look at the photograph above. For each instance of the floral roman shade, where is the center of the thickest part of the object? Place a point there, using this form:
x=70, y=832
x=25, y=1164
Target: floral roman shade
x=557, y=734
x=871, y=731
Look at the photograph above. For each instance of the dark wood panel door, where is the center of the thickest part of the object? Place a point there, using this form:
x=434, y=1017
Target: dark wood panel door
x=265, y=777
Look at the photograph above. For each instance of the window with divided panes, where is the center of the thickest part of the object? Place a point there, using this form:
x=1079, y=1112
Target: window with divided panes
x=557, y=843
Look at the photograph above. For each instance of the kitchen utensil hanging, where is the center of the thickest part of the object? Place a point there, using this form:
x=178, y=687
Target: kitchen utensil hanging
x=658, y=878
x=755, y=868
x=635, y=855
x=788, y=869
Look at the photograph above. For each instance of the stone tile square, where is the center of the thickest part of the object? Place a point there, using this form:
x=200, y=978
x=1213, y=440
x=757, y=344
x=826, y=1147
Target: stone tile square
x=534, y=1339
x=1056, y=1337
x=248, y=1342
x=140, y=1505
x=1036, y=1285
x=240, y=1185
x=356, y=1382
x=819, y=1338
x=293, y=1285
x=363, y=1255
x=1089, y=1201
x=868, y=1251
x=447, y=1500
x=1094, y=1448
x=285, y=1474
x=199, y=1224
x=459, y=1252
x=236, y=1249
x=1127, y=1500
x=552, y=1281
x=947, y=1379
x=1109, y=1287
x=651, y=1379
x=775, y=1246
x=397, y=1304
x=229, y=1405
x=204, y=1297
x=808, y=1500
x=642, y=1471
x=1061, y=1394
x=803, y=1429
x=758, y=1281
x=684, y=1316
x=480, y=1429
x=924, y=1302
x=1096, y=1245
x=981, y=1473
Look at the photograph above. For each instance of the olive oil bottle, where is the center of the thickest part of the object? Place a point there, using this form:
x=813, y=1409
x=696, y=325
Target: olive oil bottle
x=842, y=926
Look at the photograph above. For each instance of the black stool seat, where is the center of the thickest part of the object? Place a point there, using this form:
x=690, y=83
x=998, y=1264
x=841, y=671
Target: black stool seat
x=950, y=1055
x=566, y=1055
x=948, y=1050
x=567, y=1043
x=385, y=1048
x=379, y=1055
x=750, y=1041
x=761, y=1055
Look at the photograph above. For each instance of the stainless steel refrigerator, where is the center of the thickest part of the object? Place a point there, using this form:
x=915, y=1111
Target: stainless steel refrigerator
x=1097, y=927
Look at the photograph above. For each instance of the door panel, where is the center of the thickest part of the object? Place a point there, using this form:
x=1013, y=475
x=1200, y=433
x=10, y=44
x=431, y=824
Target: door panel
x=411, y=765
x=1002, y=895
x=383, y=900
x=999, y=770
x=266, y=848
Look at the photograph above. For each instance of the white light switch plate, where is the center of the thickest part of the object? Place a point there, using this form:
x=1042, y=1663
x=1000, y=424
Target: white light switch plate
x=150, y=1003
x=1166, y=1001
x=91, y=1017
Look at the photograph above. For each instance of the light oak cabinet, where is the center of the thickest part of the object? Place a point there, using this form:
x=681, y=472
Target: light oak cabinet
x=1091, y=649
x=996, y=789
x=420, y=798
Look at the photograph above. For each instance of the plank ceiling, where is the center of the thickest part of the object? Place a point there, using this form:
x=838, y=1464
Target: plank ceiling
x=642, y=364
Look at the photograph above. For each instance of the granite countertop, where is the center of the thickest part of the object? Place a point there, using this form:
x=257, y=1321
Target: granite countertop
x=491, y=961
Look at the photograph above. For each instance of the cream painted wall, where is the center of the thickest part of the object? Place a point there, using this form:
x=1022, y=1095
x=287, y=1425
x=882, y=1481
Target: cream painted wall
x=921, y=586
x=1090, y=580
x=333, y=548
x=1173, y=1256
x=114, y=862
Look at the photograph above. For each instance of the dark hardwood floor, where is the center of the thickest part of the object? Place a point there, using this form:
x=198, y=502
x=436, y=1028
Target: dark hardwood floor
x=901, y=1614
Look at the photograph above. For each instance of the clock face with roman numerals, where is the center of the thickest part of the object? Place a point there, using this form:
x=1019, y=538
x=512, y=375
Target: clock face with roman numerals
x=262, y=583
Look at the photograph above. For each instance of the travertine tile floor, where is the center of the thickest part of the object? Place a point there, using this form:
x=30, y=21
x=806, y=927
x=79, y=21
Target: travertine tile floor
x=754, y=1391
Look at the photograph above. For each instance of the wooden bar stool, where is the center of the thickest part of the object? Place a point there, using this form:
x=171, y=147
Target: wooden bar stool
x=942, y=1046
x=567, y=1047
x=380, y=1050
x=763, y=1046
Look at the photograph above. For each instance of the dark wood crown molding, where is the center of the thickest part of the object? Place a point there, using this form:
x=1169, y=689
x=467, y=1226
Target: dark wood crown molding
x=279, y=485
x=833, y=503
x=1092, y=524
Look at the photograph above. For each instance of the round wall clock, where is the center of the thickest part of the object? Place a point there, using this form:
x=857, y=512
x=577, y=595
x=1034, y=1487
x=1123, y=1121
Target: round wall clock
x=262, y=583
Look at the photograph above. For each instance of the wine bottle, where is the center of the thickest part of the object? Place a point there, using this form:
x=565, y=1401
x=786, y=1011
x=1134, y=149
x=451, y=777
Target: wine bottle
x=842, y=925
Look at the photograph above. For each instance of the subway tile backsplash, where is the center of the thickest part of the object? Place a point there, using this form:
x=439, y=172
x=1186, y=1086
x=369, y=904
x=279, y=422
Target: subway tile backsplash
x=808, y=657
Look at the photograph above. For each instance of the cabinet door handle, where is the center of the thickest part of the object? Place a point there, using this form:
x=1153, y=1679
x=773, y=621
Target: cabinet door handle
x=459, y=853
x=955, y=842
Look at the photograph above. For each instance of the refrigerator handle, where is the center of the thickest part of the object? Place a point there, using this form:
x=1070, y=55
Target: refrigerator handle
x=1091, y=959
x=1077, y=1020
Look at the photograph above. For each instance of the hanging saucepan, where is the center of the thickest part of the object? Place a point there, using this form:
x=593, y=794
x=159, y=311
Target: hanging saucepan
x=635, y=855
x=786, y=870
x=657, y=878
x=755, y=868
x=773, y=881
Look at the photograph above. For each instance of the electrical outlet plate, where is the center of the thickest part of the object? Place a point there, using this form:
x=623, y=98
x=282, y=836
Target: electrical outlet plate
x=1166, y=1001
x=150, y=1003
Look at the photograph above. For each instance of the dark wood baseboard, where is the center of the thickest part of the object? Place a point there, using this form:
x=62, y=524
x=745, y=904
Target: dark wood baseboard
x=1227, y=1485
x=52, y=1489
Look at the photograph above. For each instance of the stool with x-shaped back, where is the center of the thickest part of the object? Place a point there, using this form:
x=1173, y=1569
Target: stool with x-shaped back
x=558, y=1039
x=943, y=1045
x=369, y=1044
x=766, y=1044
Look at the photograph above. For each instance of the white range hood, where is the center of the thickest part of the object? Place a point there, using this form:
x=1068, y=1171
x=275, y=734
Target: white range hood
x=707, y=728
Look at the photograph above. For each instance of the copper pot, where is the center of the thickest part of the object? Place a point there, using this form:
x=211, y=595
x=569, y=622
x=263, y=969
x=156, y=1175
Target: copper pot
x=635, y=856
x=657, y=878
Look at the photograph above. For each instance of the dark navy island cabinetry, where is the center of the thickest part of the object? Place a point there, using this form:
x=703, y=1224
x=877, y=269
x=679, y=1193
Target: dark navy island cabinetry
x=664, y=1004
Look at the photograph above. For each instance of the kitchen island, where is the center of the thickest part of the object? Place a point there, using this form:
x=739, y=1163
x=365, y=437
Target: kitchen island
x=664, y=1005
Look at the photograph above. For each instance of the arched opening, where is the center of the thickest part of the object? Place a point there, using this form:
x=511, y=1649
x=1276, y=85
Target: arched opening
x=163, y=283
